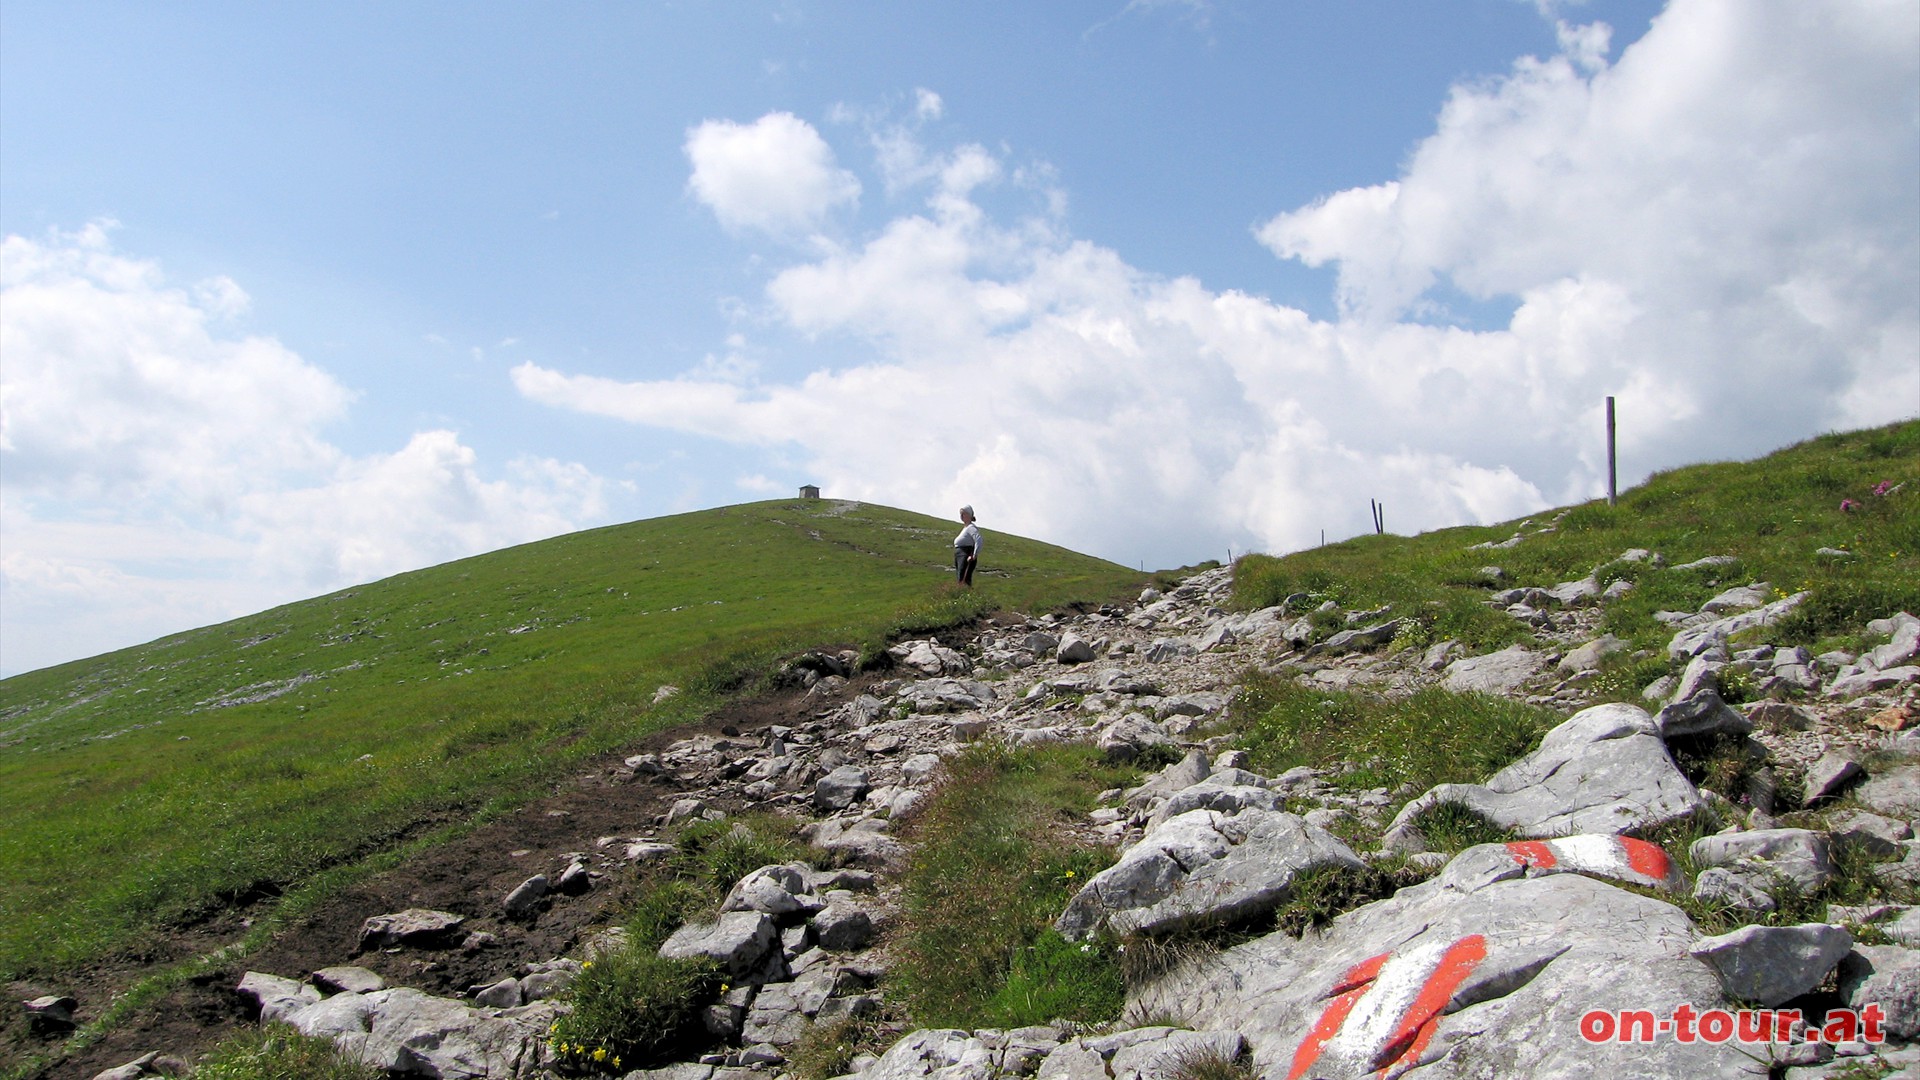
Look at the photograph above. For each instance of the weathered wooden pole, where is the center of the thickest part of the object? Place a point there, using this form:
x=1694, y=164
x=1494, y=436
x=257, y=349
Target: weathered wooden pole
x=1613, y=484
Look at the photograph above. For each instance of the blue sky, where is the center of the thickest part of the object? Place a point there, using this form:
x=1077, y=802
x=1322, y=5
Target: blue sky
x=303, y=295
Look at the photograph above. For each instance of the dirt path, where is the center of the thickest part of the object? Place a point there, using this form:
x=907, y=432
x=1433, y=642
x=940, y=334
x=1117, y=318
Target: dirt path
x=468, y=876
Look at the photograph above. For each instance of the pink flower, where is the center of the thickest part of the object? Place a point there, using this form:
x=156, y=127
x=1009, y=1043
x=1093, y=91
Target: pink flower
x=1847, y=506
x=1882, y=487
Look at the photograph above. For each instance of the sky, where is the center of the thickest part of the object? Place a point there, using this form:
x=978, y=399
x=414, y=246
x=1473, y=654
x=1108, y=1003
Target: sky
x=294, y=297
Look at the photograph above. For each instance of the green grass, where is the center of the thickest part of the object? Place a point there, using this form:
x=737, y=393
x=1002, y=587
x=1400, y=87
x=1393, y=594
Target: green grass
x=1772, y=515
x=278, y=1052
x=430, y=698
x=990, y=871
x=1854, y=884
x=1431, y=737
x=630, y=1007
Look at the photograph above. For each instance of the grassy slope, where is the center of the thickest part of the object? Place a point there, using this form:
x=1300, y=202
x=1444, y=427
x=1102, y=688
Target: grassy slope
x=428, y=697
x=1773, y=515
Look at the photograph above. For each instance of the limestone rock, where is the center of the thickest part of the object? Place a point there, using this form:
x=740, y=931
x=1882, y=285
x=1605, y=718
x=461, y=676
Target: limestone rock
x=333, y=980
x=1202, y=868
x=1692, y=641
x=865, y=841
x=52, y=1014
x=1887, y=976
x=1703, y=713
x=840, y=788
x=1073, y=649
x=1603, y=770
x=1494, y=673
x=274, y=996
x=1467, y=982
x=941, y=1054
x=843, y=927
x=1800, y=856
x=1828, y=775
x=406, y=1031
x=1771, y=964
x=525, y=899
x=738, y=941
x=946, y=695
x=772, y=890
x=1895, y=792
x=1129, y=736
x=416, y=927
x=1590, y=656
x=1616, y=858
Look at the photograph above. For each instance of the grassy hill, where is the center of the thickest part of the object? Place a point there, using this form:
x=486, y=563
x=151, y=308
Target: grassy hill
x=247, y=759
x=1834, y=516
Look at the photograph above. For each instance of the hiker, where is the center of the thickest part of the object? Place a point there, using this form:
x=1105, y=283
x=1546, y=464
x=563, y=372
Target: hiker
x=966, y=549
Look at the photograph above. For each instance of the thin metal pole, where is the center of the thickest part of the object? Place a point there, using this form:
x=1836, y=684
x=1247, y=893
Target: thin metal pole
x=1613, y=485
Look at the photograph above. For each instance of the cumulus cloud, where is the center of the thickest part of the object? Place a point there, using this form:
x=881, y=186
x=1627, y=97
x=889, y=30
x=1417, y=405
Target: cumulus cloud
x=117, y=384
x=775, y=175
x=1742, y=182
x=1718, y=228
x=164, y=470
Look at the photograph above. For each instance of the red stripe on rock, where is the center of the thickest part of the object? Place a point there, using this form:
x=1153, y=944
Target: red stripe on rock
x=1422, y=1018
x=1646, y=858
x=1532, y=853
x=1349, y=990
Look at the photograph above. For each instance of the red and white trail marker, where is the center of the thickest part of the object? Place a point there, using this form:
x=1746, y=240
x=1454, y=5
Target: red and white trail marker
x=1385, y=1010
x=1621, y=858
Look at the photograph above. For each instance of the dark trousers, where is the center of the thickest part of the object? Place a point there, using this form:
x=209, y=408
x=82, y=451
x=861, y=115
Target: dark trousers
x=963, y=563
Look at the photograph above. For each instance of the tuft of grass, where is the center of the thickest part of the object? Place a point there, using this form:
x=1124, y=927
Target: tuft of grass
x=1053, y=978
x=1453, y=828
x=719, y=853
x=1433, y=736
x=631, y=1008
x=827, y=1049
x=1207, y=1063
x=278, y=1052
x=1326, y=892
x=991, y=869
x=1624, y=676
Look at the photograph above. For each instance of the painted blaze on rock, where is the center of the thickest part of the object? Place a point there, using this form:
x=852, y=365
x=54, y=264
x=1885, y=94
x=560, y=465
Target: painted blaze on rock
x=1621, y=858
x=1384, y=1011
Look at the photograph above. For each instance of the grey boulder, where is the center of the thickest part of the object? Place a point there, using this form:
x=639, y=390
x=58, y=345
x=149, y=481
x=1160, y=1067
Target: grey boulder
x=411, y=1033
x=1202, y=868
x=738, y=941
x=1603, y=770
x=1772, y=964
x=1457, y=981
x=1494, y=673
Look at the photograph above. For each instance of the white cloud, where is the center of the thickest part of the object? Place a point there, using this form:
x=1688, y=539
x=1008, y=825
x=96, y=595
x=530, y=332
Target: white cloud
x=425, y=504
x=162, y=471
x=759, y=484
x=117, y=385
x=1719, y=229
x=776, y=175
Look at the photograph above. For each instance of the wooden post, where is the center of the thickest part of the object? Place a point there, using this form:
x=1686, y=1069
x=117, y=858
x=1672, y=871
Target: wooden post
x=1613, y=486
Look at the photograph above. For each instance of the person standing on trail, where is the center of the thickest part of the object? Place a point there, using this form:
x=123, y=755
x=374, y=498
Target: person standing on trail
x=966, y=549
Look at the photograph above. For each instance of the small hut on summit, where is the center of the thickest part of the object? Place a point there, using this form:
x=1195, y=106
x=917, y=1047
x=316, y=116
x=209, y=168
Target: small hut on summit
x=808, y=491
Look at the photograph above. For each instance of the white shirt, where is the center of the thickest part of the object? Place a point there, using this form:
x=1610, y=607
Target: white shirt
x=969, y=537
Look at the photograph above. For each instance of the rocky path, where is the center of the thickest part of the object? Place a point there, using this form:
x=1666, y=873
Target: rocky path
x=1504, y=962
